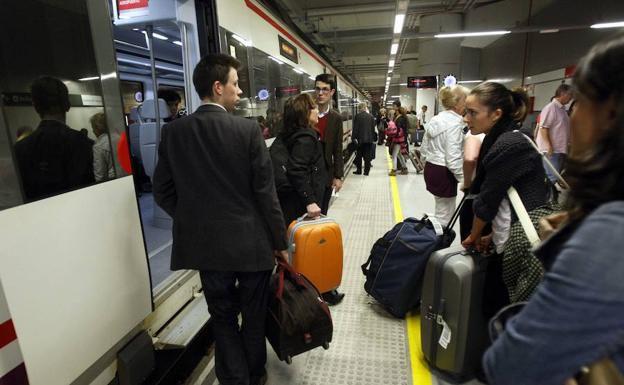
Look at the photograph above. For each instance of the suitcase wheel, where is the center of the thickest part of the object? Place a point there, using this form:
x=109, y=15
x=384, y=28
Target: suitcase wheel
x=288, y=360
x=325, y=345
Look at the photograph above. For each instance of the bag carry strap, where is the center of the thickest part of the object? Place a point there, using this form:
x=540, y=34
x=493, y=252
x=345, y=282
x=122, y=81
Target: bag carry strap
x=523, y=216
x=550, y=166
x=284, y=267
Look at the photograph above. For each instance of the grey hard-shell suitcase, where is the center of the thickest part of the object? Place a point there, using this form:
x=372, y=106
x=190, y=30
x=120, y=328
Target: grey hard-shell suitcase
x=453, y=323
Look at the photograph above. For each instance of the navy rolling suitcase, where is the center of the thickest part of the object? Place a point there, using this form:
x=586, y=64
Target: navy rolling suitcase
x=396, y=265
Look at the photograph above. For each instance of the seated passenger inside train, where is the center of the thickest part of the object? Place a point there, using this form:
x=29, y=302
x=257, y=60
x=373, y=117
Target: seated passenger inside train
x=576, y=316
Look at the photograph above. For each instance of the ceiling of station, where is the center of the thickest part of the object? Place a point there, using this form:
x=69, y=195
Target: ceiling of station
x=356, y=34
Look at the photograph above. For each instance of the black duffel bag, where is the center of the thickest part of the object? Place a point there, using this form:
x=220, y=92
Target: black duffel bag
x=298, y=319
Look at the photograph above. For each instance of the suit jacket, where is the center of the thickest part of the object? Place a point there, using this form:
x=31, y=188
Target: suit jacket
x=363, y=128
x=54, y=159
x=215, y=178
x=333, y=146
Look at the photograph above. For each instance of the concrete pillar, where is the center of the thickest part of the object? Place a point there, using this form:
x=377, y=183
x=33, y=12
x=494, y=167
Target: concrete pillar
x=438, y=57
x=409, y=67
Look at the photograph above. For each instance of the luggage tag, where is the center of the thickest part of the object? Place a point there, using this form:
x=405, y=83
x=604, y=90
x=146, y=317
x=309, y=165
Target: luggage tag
x=445, y=337
x=439, y=230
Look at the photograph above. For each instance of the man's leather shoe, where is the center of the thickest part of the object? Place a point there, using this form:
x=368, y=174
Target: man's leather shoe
x=333, y=297
x=357, y=172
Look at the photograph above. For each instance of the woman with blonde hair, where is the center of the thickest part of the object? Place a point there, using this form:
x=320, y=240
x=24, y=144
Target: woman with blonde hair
x=442, y=148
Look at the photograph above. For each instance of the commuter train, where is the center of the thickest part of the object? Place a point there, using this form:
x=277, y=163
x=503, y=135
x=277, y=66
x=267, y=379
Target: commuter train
x=84, y=273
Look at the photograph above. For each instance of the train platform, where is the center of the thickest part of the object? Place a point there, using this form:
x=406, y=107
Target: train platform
x=369, y=345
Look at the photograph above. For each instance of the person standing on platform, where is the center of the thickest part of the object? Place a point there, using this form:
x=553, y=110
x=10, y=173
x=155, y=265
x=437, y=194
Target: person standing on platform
x=331, y=133
x=305, y=168
x=422, y=117
x=364, y=137
x=382, y=124
x=227, y=221
x=442, y=147
x=554, y=131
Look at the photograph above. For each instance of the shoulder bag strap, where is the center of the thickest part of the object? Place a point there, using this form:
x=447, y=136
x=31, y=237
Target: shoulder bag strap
x=547, y=162
x=523, y=216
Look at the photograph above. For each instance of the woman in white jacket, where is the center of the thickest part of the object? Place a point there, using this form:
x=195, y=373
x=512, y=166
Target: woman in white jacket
x=442, y=148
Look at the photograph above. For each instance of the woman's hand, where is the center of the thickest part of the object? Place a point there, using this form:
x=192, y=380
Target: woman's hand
x=484, y=243
x=551, y=223
x=471, y=242
x=313, y=210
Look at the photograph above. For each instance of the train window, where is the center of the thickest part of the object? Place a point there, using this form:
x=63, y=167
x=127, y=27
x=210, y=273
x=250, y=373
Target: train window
x=9, y=185
x=53, y=102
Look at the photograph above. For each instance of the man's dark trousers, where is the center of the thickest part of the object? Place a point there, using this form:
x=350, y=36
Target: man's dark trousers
x=240, y=353
x=364, y=150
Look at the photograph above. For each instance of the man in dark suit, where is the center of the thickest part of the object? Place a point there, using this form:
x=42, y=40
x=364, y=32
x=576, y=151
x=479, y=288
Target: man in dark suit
x=363, y=136
x=214, y=177
x=330, y=129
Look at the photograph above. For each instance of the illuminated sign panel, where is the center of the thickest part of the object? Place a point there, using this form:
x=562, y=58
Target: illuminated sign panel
x=422, y=82
x=288, y=50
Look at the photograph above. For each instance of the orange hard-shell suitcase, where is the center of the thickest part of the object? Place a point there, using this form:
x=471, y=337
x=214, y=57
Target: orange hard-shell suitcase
x=315, y=250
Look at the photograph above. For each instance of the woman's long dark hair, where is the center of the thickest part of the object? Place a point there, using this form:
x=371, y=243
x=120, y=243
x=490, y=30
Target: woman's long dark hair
x=597, y=177
x=512, y=103
x=297, y=114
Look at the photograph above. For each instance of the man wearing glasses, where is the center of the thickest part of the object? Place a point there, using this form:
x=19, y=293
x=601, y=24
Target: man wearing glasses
x=330, y=129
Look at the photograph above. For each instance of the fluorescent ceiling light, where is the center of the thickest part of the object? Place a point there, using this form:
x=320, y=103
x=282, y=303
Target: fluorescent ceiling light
x=391, y=63
x=177, y=42
x=469, y=81
x=159, y=36
x=402, y=84
x=394, y=48
x=554, y=30
x=615, y=24
x=276, y=60
x=398, y=23
x=390, y=70
x=470, y=34
x=395, y=96
x=297, y=70
x=88, y=78
x=311, y=77
x=243, y=41
x=135, y=29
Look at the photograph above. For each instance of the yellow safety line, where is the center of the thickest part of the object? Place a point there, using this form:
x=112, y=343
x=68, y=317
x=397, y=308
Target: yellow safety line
x=420, y=371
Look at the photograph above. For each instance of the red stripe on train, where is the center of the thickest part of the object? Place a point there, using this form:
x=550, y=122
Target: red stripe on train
x=17, y=376
x=7, y=333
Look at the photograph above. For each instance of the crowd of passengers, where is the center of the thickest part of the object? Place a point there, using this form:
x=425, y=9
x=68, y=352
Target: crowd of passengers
x=571, y=287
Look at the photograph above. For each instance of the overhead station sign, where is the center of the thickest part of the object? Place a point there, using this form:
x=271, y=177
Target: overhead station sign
x=288, y=50
x=128, y=9
x=422, y=82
